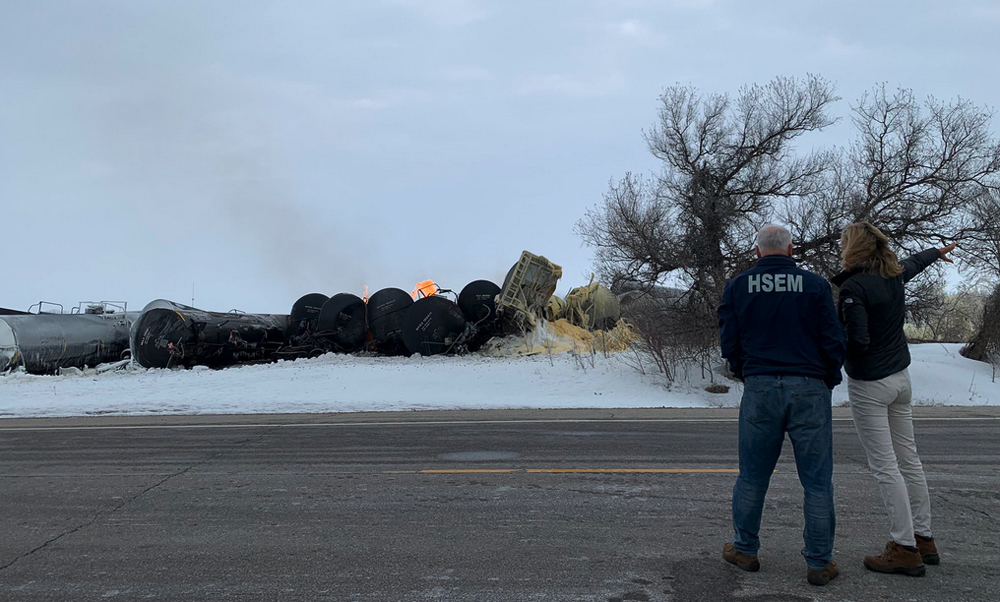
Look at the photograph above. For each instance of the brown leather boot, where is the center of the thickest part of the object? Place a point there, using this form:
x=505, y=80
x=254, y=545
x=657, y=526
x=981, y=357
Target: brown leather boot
x=928, y=551
x=824, y=575
x=897, y=559
x=734, y=556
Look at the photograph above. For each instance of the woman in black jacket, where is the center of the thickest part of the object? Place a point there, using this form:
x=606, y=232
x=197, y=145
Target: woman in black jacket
x=871, y=306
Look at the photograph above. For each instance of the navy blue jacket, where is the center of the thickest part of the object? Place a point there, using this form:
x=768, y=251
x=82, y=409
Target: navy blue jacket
x=779, y=320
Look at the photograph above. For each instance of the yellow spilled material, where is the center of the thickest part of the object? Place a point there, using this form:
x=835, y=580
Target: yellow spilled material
x=562, y=337
x=554, y=310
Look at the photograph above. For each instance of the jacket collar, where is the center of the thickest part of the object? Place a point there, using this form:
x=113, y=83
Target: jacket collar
x=845, y=275
x=775, y=261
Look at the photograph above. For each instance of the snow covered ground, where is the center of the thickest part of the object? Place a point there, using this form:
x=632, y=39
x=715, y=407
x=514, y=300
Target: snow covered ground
x=341, y=383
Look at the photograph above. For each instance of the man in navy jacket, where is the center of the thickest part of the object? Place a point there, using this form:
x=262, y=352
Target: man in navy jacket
x=781, y=335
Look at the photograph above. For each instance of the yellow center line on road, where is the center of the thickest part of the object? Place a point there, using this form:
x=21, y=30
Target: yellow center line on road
x=570, y=471
x=470, y=471
x=637, y=470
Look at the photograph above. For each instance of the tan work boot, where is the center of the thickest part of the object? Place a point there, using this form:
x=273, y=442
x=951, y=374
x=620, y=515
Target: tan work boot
x=896, y=559
x=824, y=575
x=928, y=551
x=734, y=556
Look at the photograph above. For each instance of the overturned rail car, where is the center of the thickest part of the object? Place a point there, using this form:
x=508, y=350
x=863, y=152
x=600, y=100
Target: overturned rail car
x=478, y=302
x=305, y=315
x=434, y=325
x=341, y=325
x=168, y=335
x=386, y=309
x=47, y=343
x=526, y=292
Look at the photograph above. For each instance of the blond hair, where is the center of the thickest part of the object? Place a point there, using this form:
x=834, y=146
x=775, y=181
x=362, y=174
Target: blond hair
x=863, y=243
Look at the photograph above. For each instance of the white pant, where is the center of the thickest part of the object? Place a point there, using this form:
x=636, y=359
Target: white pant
x=884, y=420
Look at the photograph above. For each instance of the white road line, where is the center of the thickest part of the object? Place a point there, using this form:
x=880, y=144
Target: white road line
x=437, y=423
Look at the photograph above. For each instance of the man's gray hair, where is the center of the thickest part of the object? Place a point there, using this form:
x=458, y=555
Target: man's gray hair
x=773, y=238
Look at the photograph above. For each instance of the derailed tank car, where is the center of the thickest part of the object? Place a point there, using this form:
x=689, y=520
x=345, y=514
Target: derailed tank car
x=593, y=307
x=386, y=309
x=305, y=315
x=434, y=325
x=478, y=302
x=169, y=335
x=47, y=343
x=341, y=325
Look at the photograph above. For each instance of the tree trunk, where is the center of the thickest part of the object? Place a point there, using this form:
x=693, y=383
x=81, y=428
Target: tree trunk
x=985, y=346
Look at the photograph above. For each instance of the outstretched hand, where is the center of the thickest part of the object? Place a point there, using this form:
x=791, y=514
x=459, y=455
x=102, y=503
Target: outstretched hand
x=945, y=250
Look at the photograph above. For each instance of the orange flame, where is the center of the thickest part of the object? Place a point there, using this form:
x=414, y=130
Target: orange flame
x=427, y=288
x=365, y=296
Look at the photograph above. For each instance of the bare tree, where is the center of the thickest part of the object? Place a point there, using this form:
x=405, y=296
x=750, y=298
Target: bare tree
x=956, y=319
x=981, y=235
x=981, y=247
x=633, y=233
x=667, y=335
x=922, y=171
x=914, y=171
x=985, y=346
x=918, y=171
x=726, y=162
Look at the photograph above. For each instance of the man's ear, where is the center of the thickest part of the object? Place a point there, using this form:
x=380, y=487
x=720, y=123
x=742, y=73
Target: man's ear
x=790, y=250
x=757, y=250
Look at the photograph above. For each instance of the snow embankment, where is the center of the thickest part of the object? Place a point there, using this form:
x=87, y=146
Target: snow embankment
x=342, y=383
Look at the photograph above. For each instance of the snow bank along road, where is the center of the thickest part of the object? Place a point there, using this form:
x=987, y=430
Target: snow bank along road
x=345, y=383
x=465, y=505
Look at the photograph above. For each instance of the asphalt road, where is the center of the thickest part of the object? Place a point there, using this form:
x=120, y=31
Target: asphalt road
x=520, y=505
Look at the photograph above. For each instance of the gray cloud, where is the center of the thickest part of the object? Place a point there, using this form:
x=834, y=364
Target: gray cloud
x=262, y=151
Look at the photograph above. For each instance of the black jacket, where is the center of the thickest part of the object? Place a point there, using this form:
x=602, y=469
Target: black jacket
x=779, y=320
x=873, y=308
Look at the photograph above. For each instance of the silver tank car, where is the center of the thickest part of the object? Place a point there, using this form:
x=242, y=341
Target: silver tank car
x=46, y=343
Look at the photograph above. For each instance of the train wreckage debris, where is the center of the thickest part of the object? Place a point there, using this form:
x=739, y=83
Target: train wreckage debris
x=428, y=321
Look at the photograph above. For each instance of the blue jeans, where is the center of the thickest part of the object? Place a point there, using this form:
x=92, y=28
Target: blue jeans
x=771, y=407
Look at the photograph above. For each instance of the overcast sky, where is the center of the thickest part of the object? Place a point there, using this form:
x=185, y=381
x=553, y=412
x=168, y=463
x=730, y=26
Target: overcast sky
x=263, y=150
